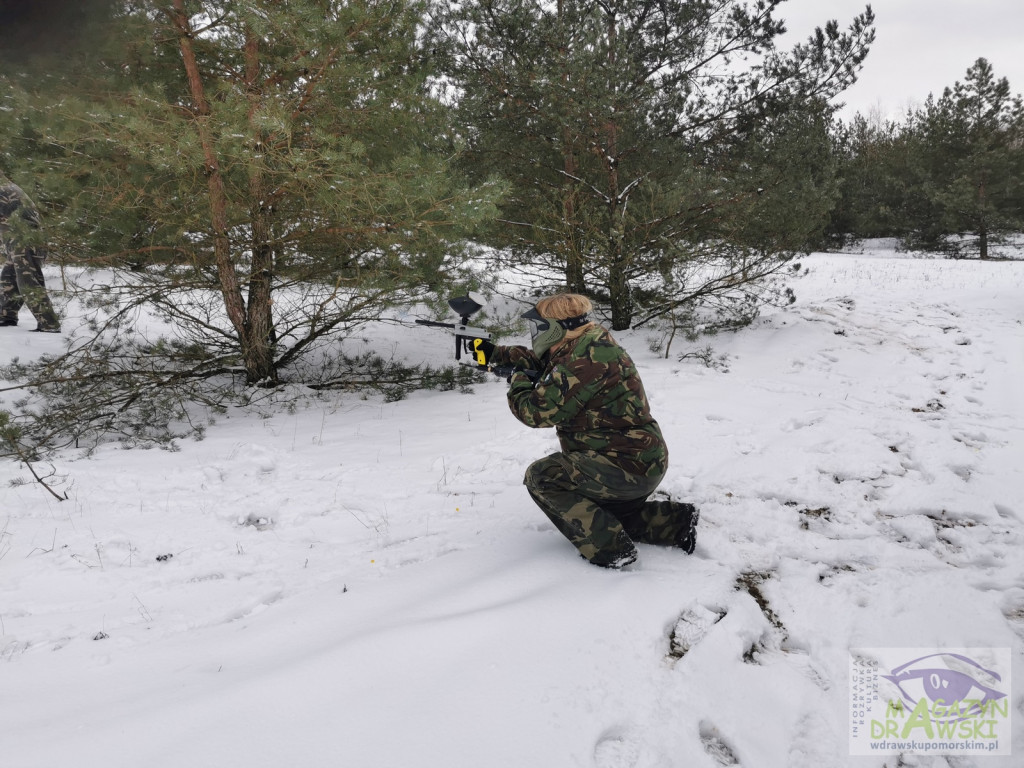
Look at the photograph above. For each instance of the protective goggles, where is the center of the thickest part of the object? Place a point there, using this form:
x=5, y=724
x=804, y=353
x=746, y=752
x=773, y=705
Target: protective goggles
x=539, y=324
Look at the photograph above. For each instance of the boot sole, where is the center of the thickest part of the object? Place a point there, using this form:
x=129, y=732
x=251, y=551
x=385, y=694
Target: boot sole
x=688, y=543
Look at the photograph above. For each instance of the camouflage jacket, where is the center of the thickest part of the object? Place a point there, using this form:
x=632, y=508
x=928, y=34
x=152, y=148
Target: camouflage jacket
x=14, y=201
x=590, y=392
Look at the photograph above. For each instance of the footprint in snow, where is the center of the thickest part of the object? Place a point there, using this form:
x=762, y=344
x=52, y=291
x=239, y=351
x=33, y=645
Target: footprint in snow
x=618, y=747
x=715, y=745
x=813, y=743
x=1006, y=512
x=1013, y=610
x=691, y=627
x=963, y=471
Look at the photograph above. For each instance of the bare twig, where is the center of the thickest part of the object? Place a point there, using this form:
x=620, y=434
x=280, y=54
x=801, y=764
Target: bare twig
x=43, y=482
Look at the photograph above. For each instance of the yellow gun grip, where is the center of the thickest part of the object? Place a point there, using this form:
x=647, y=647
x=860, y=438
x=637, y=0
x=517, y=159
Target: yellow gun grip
x=481, y=358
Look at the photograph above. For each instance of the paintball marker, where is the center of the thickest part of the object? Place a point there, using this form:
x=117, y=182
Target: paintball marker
x=467, y=338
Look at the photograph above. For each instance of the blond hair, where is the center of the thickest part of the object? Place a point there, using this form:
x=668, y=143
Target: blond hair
x=562, y=306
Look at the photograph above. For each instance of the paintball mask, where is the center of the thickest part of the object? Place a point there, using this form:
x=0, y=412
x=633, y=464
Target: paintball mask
x=547, y=332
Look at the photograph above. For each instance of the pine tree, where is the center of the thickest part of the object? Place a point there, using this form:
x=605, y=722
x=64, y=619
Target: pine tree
x=971, y=143
x=619, y=125
x=264, y=175
x=879, y=174
x=259, y=147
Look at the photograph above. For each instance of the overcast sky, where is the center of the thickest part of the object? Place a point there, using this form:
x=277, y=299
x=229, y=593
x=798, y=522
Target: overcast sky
x=921, y=46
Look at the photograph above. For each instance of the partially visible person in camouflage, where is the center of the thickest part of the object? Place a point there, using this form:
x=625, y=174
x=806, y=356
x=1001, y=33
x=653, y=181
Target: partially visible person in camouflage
x=21, y=278
x=612, y=456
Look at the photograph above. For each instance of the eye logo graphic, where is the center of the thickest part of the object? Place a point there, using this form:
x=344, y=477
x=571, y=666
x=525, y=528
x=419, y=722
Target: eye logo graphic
x=956, y=687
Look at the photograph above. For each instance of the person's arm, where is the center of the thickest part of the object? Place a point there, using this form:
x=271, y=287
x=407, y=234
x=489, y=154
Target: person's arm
x=558, y=397
x=497, y=354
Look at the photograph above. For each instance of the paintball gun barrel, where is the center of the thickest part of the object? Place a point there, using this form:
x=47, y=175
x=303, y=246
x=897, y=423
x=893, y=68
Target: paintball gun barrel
x=468, y=338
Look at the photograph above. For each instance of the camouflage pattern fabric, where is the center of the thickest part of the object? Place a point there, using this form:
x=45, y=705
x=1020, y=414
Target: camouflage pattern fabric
x=570, y=489
x=612, y=448
x=662, y=521
x=21, y=282
x=590, y=392
x=21, y=279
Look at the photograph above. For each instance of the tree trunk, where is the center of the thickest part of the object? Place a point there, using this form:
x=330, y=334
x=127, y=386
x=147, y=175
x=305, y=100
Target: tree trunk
x=573, y=258
x=982, y=228
x=621, y=300
x=618, y=286
x=258, y=345
x=257, y=357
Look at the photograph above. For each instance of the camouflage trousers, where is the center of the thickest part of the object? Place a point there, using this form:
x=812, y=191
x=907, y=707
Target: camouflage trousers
x=599, y=507
x=21, y=282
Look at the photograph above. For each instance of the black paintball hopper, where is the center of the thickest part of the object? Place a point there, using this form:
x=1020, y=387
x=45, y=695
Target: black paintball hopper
x=466, y=306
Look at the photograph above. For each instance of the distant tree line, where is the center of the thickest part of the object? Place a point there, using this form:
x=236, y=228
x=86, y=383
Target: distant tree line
x=948, y=177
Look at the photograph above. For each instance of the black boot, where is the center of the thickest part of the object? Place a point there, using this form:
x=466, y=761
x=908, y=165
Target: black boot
x=619, y=556
x=686, y=539
x=615, y=561
x=6, y=320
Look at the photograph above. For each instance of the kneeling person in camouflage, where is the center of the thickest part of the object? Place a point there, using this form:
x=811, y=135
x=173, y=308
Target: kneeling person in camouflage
x=612, y=456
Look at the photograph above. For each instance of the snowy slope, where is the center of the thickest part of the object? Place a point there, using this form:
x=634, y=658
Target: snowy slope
x=358, y=583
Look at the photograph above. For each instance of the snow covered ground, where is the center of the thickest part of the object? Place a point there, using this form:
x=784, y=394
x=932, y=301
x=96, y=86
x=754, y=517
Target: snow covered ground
x=361, y=583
